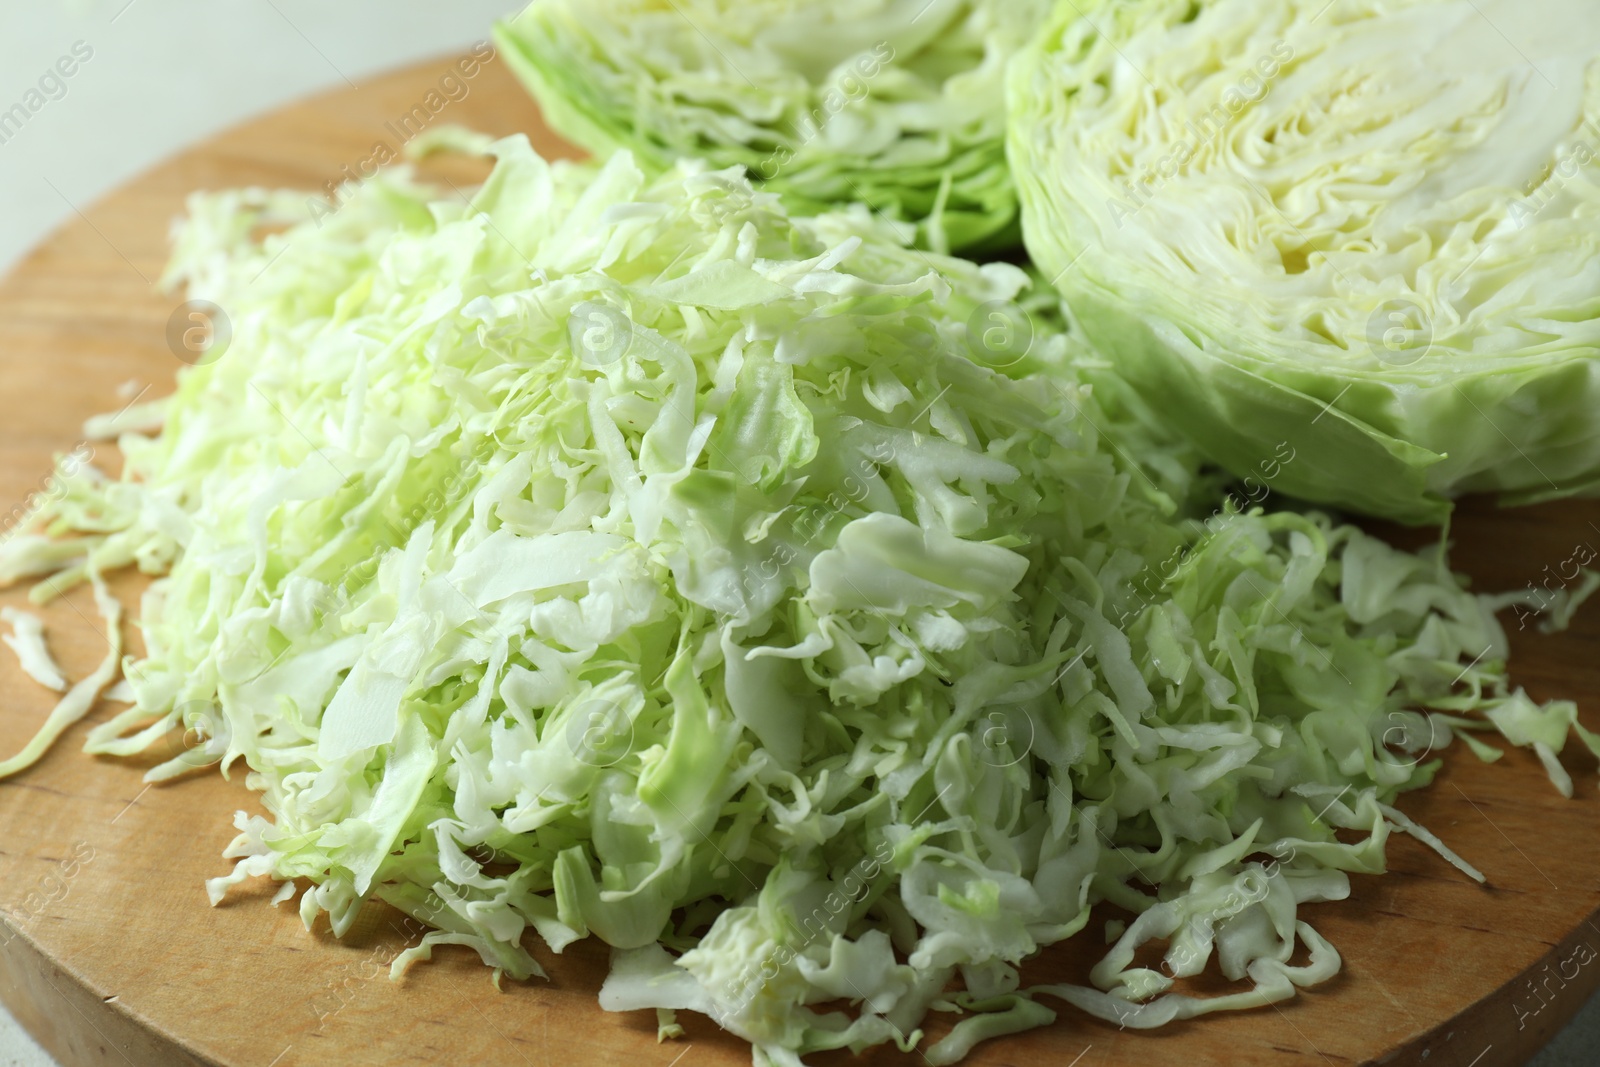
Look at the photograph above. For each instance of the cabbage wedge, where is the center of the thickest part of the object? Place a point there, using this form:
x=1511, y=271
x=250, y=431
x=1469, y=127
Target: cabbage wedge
x=898, y=104
x=1371, y=229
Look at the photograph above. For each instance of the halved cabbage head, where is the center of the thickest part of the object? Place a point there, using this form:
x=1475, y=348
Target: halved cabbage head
x=896, y=103
x=1367, y=228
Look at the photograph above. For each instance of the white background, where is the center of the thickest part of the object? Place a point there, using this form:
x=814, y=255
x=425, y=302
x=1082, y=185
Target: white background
x=167, y=73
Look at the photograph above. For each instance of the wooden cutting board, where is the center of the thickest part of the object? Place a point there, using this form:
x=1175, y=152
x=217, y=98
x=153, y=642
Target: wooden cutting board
x=111, y=955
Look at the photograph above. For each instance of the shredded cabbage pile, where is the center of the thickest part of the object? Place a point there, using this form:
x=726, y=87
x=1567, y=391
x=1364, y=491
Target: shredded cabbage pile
x=619, y=555
x=899, y=104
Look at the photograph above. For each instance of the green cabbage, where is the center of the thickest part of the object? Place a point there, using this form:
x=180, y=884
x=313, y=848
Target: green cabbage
x=616, y=555
x=1367, y=228
x=895, y=103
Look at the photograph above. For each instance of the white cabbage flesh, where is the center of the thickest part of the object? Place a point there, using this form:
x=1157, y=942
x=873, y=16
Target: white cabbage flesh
x=1369, y=228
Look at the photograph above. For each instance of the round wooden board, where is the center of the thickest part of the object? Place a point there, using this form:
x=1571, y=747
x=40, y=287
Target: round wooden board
x=110, y=953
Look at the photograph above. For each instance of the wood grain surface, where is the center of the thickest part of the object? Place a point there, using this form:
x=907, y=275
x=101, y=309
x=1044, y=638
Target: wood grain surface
x=111, y=955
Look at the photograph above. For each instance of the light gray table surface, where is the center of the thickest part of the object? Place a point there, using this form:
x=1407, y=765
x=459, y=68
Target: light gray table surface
x=168, y=73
